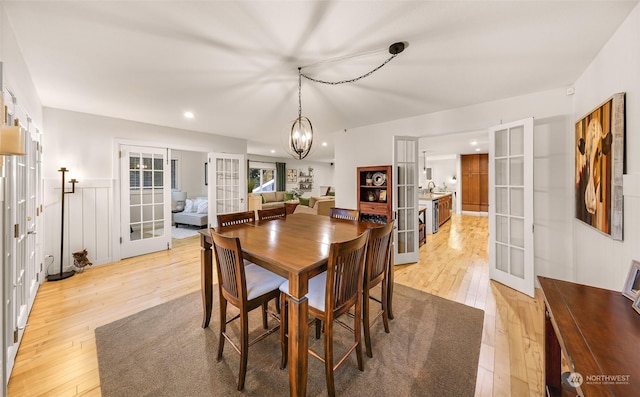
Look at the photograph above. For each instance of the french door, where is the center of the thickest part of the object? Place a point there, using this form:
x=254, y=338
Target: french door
x=227, y=180
x=20, y=270
x=405, y=201
x=145, y=202
x=511, y=205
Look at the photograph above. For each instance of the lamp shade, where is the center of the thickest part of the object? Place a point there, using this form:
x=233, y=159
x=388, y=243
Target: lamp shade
x=12, y=141
x=178, y=196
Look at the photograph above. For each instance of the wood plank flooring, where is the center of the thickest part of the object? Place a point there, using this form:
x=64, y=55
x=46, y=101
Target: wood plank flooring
x=57, y=356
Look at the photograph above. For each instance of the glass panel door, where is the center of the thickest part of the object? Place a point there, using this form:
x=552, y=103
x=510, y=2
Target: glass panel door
x=405, y=162
x=145, y=200
x=511, y=205
x=227, y=184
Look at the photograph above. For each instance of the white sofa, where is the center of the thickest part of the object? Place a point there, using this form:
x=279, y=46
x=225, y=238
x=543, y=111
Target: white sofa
x=194, y=214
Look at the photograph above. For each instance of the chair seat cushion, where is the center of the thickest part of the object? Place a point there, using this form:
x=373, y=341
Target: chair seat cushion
x=316, y=294
x=260, y=280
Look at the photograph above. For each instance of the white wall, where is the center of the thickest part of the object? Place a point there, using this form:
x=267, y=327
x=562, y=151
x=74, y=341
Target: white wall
x=372, y=145
x=599, y=260
x=16, y=75
x=191, y=172
x=87, y=145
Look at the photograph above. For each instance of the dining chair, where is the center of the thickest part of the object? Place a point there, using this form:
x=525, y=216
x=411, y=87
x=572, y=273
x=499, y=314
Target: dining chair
x=343, y=213
x=271, y=213
x=376, y=269
x=246, y=286
x=331, y=294
x=236, y=218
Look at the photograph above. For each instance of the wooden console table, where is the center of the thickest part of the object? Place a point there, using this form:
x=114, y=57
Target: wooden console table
x=598, y=332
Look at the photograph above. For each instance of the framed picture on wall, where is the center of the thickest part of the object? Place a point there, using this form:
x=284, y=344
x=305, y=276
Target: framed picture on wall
x=632, y=285
x=292, y=175
x=599, y=163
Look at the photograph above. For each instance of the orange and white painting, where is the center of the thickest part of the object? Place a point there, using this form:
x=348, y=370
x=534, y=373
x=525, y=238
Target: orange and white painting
x=599, y=167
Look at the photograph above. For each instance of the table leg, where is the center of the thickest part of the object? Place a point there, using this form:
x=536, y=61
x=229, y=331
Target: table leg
x=552, y=357
x=298, y=341
x=206, y=277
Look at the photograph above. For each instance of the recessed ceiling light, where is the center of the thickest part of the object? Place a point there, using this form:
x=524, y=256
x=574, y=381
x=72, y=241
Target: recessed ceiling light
x=473, y=143
x=189, y=115
x=477, y=149
x=324, y=143
x=273, y=151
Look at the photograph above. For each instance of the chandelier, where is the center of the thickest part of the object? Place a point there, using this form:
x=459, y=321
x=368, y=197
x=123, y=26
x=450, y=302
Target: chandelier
x=301, y=135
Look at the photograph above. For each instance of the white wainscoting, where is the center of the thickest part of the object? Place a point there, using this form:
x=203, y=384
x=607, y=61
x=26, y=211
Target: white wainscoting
x=88, y=224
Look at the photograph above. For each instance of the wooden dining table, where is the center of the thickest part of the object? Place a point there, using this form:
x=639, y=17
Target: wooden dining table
x=295, y=247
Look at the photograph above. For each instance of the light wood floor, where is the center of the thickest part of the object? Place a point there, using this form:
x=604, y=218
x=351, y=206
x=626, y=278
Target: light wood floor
x=57, y=356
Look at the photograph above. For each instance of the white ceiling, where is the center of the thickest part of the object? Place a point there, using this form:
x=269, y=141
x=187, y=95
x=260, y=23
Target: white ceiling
x=234, y=63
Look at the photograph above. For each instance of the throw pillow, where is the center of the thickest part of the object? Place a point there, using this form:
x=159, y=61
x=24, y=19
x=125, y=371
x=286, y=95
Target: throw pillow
x=263, y=199
x=332, y=194
x=304, y=201
x=188, y=205
x=288, y=196
x=269, y=197
x=203, y=207
x=312, y=201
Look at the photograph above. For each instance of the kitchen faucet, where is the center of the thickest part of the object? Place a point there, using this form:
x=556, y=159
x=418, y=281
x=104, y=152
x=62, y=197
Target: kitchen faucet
x=431, y=186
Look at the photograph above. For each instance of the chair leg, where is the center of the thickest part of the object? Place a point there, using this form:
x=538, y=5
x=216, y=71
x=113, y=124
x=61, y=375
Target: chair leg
x=284, y=331
x=318, y=326
x=366, y=324
x=265, y=308
x=244, y=349
x=223, y=325
x=357, y=327
x=385, y=312
x=328, y=358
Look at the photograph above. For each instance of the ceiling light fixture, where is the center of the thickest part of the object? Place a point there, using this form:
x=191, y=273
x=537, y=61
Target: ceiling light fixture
x=301, y=135
x=189, y=115
x=473, y=143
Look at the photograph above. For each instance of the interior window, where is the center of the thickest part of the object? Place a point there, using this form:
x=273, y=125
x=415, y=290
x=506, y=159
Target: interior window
x=264, y=179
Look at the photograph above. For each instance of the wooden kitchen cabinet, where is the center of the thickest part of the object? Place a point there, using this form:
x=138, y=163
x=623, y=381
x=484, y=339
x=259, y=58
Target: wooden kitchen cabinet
x=475, y=182
x=444, y=209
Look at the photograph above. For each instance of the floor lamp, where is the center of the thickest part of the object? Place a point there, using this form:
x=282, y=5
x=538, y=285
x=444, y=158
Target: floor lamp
x=62, y=275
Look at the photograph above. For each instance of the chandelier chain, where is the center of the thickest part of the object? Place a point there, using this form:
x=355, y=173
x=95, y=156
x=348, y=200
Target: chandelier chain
x=353, y=80
x=299, y=94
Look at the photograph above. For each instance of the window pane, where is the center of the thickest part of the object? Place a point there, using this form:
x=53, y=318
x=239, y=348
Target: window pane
x=501, y=143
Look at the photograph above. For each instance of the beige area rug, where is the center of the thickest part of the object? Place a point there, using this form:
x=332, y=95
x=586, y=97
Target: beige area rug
x=176, y=232
x=432, y=350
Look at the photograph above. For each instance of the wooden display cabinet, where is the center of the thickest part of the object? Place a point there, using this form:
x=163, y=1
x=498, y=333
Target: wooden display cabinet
x=375, y=192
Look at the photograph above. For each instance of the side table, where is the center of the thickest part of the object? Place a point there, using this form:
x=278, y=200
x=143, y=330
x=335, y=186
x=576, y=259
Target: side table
x=290, y=206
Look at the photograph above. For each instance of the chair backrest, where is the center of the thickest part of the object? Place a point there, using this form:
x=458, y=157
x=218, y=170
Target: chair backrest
x=343, y=213
x=378, y=251
x=236, y=218
x=230, y=268
x=271, y=213
x=345, y=274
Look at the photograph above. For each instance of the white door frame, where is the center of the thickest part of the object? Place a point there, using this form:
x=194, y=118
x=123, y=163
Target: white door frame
x=511, y=206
